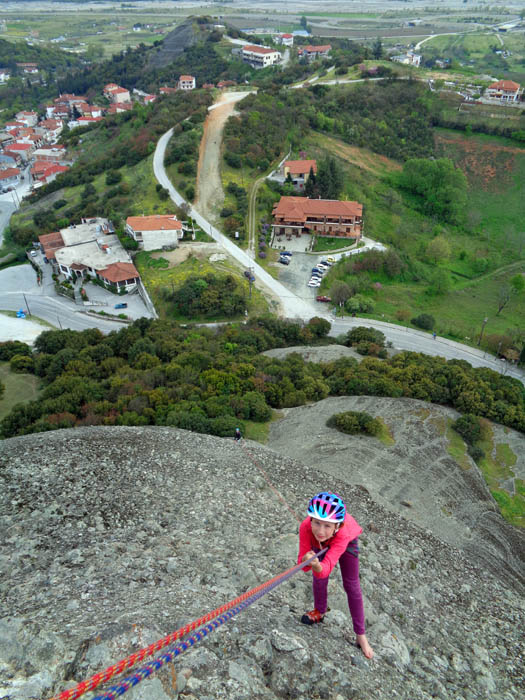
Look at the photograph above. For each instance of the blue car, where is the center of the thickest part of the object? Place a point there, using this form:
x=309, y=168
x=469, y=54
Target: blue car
x=122, y=305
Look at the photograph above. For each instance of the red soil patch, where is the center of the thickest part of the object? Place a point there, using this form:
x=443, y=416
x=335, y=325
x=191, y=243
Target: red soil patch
x=489, y=165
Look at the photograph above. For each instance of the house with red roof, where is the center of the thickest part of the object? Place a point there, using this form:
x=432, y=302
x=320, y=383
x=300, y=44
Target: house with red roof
x=186, y=82
x=118, y=108
x=47, y=172
x=9, y=176
x=165, y=90
x=51, y=129
x=284, y=39
x=156, y=231
x=294, y=216
x=299, y=171
x=27, y=118
x=504, y=91
x=260, y=56
x=118, y=95
x=24, y=151
x=312, y=53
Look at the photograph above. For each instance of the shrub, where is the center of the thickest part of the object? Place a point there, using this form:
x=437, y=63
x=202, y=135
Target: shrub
x=352, y=422
x=22, y=364
x=225, y=212
x=59, y=203
x=403, y=314
x=424, y=321
x=469, y=427
x=371, y=335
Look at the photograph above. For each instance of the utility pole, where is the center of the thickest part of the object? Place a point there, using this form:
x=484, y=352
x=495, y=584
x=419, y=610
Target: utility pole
x=27, y=305
x=485, y=320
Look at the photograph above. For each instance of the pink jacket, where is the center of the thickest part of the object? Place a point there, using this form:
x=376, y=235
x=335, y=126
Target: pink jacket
x=336, y=545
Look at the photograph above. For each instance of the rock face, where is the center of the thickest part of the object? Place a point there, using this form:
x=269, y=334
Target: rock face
x=114, y=537
x=172, y=45
x=415, y=475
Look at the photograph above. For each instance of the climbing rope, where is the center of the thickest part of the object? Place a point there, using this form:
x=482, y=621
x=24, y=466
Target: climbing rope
x=267, y=479
x=171, y=653
x=128, y=662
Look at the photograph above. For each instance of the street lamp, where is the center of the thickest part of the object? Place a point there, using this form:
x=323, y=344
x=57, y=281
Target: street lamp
x=482, y=329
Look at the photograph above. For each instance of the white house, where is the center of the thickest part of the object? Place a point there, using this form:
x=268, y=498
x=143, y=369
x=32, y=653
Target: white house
x=27, y=118
x=504, y=91
x=5, y=74
x=260, y=56
x=186, y=82
x=156, y=231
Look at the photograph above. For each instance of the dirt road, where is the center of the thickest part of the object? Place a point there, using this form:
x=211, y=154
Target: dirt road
x=210, y=194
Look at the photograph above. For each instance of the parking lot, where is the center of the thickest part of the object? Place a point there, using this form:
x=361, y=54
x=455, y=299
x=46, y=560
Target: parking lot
x=296, y=275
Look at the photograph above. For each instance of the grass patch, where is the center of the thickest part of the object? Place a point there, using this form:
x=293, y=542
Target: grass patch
x=145, y=259
x=156, y=279
x=495, y=465
x=512, y=507
x=385, y=433
x=457, y=448
x=259, y=432
x=324, y=243
x=19, y=388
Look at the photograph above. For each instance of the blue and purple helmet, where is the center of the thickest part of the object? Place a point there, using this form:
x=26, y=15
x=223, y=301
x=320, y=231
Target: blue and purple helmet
x=327, y=506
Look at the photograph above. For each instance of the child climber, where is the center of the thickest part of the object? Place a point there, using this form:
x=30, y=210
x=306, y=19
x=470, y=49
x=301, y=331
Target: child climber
x=329, y=525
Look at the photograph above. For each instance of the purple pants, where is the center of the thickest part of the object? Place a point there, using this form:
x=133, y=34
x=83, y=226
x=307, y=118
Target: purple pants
x=349, y=563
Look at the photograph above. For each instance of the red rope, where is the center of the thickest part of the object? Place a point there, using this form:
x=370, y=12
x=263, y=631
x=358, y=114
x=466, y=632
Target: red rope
x=130, y=661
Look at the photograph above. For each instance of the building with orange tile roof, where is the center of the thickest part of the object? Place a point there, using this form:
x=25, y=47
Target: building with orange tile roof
x=299, y=171
x=260, y=56
x=186, y=82
x=156, y=231
x=321, y=217
x=504, y=90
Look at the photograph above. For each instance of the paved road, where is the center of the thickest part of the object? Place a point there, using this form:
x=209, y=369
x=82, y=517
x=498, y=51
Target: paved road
x=417, y=341
x=59, y=313
x=293, y=307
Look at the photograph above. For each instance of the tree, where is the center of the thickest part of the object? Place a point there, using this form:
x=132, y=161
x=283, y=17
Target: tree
x=441, y=186
x=438, y=249
x=330, y=179
x=513, y=287
x=340, y=292
x=377, y=48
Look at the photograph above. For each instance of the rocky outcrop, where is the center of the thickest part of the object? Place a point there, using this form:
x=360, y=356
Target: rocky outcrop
x=173, y=45
x=114, y=537
x=415, y=475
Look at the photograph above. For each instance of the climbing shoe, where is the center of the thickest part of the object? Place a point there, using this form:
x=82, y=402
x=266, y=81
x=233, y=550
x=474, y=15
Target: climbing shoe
x=312, y=617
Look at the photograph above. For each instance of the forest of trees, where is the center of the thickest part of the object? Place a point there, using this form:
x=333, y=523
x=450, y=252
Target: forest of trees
x=210, y=380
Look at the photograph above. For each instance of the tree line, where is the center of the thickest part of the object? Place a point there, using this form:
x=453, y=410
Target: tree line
x=159, y=373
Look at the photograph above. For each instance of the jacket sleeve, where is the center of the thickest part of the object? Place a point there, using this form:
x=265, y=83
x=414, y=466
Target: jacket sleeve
x=304, y=541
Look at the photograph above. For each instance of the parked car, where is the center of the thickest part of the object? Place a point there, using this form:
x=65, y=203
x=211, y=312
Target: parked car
x=322, y=297
x=285, y=260
x=331, y=259
x=326, y=263
x=316, y=269
x=287, y=252
x=122, y=305
x=33, y=253
x=314, y=283
x=322, y=266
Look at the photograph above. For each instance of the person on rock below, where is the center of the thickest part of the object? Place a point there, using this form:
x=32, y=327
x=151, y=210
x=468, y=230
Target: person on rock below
x=237, y=435
x=329, y=525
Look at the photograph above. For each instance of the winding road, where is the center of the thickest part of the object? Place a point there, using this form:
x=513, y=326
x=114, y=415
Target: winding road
x=294, y=307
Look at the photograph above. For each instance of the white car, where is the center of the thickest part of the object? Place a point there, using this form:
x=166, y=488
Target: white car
x=314, y=283
x=322, y=266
